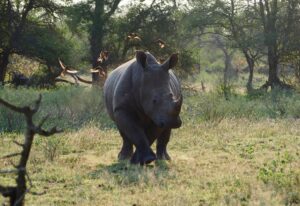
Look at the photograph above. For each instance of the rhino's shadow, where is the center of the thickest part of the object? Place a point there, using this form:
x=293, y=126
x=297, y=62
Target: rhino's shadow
x=123, y=173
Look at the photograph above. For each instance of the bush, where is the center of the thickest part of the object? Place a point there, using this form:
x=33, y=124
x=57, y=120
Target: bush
x=214, y=107
x=69, y=107
x=72, y=107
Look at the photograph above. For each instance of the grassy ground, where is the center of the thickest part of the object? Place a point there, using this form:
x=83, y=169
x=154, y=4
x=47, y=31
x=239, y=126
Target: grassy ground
x=244, y=151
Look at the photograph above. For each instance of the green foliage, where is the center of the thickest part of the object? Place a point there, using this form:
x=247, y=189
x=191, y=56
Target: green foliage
x=51, y=148
x=69, y=107
x=150, y=23
x=28, y=28
x=278, y=173
x=78, y=17
x=43, y=77
x=225, y=89
x=93, y=17
x=252, y=28
x=213, y=107
x=45, y=43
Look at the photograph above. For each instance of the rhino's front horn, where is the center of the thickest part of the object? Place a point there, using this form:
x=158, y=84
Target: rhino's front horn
x=177, y=103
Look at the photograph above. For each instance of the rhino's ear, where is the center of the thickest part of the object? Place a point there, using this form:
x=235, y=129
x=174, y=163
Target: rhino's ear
x=171, y=62
x=141, y=58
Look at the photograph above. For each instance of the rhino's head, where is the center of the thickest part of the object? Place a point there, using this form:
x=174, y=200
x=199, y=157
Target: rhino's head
x=160, y=93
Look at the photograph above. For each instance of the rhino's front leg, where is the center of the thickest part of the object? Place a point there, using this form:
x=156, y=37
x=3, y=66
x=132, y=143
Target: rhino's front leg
x=129, y=126
x=127, y=148
x=161, y=147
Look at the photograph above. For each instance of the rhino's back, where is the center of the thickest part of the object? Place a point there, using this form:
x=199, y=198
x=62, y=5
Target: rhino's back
x=115, y=79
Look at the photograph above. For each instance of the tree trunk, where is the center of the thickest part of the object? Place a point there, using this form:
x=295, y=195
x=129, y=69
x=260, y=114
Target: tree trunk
x=269, y=16
x=250, y=62
x=21, y=188
x=97, y=37
x=227, y=72
x=3, y=64
x=227, y=68
x=273, y=79
x=297, y=70
x=125, y=50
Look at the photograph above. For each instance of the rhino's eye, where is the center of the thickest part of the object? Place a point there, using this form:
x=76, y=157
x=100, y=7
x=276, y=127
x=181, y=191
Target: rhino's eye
x=154, y=101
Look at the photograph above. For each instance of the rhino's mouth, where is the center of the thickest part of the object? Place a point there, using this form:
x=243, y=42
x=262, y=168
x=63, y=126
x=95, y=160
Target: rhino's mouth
x=171, y=123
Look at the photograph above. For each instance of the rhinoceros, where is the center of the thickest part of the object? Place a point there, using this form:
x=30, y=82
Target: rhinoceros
x=143, y=98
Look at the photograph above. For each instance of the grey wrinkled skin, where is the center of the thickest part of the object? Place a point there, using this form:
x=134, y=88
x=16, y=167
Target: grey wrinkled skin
x=144, y=99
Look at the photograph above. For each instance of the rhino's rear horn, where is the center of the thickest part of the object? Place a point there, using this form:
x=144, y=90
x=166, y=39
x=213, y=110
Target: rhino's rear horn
x=141, y=58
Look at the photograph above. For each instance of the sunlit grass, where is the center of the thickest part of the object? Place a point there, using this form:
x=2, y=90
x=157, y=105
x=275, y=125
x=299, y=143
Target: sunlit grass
x=244, y=151
x=229, y=163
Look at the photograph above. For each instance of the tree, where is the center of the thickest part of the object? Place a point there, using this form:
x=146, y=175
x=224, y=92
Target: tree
x=279, y=19
x=94, y=15
x=19, y=20
x=257, y=28
x=234, y=20
x=154, y=27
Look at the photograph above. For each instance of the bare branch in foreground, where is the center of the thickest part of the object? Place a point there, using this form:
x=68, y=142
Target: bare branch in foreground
x=17, y=194
x=11, y=155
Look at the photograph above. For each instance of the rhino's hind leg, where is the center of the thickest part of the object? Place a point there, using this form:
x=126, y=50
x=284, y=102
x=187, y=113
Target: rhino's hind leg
x=161, y=147
x=126, y=150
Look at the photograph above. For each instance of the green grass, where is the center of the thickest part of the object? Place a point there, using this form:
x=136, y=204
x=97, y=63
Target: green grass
x=69, y=107
x=244, y=151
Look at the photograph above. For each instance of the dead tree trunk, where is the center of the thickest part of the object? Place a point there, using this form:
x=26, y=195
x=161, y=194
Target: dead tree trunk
x=17, y=194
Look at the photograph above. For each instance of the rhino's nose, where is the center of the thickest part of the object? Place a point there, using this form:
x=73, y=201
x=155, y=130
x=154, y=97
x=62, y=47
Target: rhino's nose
x=178, y=123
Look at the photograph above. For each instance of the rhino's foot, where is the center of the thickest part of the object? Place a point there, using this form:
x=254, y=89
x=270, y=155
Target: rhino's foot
x=125, y=154
x=143, y=157
x=163, y=155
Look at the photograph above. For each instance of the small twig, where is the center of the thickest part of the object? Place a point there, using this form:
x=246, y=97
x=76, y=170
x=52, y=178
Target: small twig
x=45, y=133
x=14, y=108
x=11, y=155
x=9, y=171
x=18, y=143
x=31, y=186
x=37, y=104
x=29, y=180
x=83, y=80
x=37, y=193
x=63, y=80
x=43, y=120
x=13, y=164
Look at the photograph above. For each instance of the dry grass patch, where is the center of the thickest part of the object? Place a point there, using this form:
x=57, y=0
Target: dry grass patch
x=233, y=162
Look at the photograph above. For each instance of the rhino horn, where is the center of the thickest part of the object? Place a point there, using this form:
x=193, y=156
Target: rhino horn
x=177, y=103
